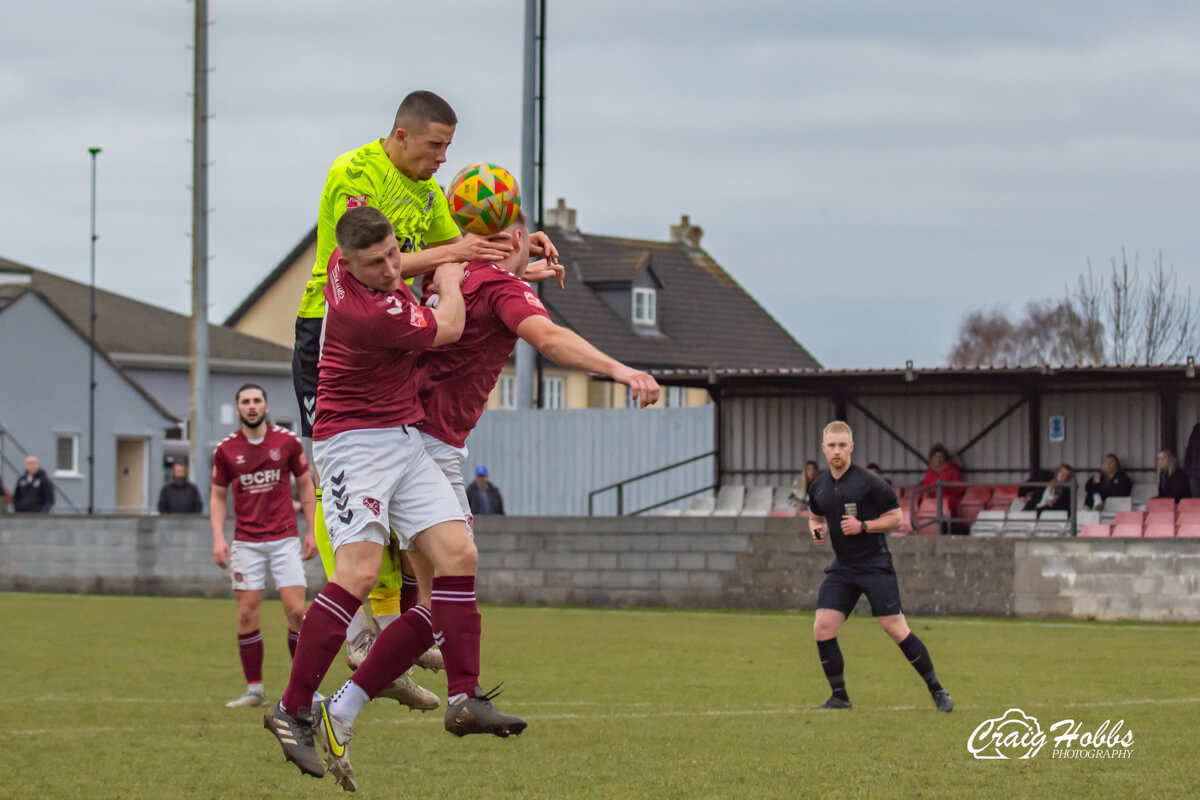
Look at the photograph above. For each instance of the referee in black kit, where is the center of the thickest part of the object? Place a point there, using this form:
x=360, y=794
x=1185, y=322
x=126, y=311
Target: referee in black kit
x=859, y=509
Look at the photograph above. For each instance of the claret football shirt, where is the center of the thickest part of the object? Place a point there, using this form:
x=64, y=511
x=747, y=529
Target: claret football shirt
x=260, y=476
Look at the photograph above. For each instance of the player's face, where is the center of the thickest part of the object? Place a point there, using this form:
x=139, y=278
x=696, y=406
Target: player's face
x=837, y=448
x=426, y=151
x=377, y=266
x=251, y=407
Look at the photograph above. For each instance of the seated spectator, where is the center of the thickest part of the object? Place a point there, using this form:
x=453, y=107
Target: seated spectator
x=878, y=471
x=180, y=496
x=34, y=492
x=1031, y=490
x=1057, y=495
x=799, y=494
x=941, y=468
x=1172, y=482
x=1110, y=481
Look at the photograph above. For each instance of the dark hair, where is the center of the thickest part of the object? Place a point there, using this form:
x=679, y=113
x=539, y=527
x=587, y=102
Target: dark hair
x=810, y=461
x=1113, y=456
x=874, y=466
x=238, y=394
x=421, y=108
x=939, y=448
x=362, y=227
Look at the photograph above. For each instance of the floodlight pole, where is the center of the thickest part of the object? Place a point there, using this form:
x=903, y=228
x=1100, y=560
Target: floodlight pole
x=532, y=129
x=92, y=350
x=198, y=433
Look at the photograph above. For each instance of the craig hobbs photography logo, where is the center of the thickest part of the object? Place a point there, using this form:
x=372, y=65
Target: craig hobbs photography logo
x=1017, y=735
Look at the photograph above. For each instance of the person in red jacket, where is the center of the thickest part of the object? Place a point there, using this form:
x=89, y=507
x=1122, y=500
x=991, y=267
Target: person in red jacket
x=941, y=468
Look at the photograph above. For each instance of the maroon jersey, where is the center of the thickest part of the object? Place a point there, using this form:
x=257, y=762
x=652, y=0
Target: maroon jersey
x=456, y=380
x=368, y=360
x=262, y=494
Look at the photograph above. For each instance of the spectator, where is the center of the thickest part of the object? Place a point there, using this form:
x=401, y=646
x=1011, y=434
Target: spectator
x=180, y=496
x=34, y=492
x=879, y=471
x=1057, y=495
x=799, y=494
x=941, y=468
x=1191, y=460
x=1172, y=481
x=1110, y=481
x=483, y=495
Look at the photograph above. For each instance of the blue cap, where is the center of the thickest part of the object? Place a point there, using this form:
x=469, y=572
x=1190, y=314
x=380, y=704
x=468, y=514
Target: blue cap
x=481, y=470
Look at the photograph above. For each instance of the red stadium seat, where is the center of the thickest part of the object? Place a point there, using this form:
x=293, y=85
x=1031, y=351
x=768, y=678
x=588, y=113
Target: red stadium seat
x=1188, y=505
x=977, y=494
x=1094, y=531
x=1161, y=504
x=1159, y=531
x=1130, y=518
x=1007, y=490
x=783, y=512
x=1189, y=531
x=1127, y=531
x=1187, y=518
x=968, y=511
x=1159, y=518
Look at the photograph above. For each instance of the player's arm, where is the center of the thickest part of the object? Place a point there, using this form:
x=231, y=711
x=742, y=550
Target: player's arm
x=451, y=312
x=567, y=348
x=308, y=505
x=458, y=250
x=216, y=514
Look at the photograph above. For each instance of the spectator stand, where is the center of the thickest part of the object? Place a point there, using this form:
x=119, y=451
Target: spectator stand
x=986, y=509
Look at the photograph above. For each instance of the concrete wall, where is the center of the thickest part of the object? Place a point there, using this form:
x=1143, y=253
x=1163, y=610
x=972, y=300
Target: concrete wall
x=704, y=563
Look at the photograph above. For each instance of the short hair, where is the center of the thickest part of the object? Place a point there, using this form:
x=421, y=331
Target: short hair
x=237, y=396
x=362, y=227
x=421, y=108
x=837, y=426
x=939, y=448
x=1113, y=456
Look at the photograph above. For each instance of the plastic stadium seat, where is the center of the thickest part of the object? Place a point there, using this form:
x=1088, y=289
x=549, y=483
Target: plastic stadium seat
x=1019, y=523
x=1095, y=531
x=730, y=500
x=758, y=501
x=1017, y=504
x=1143, y=492
x=1127, y=531
x=1161, y=504
x=1159, y=531
x=783, y=512
x=988, y=523
x=1190, y=531
x=1118, y=504
x=783, y=501
x=1187, y=518
x=977, y=494
x=1159, y=518
x=1053, y=523
x=1130, y=518
x=1188, y=504
x=968, y=511
x=1086, y=516
x=700, y=507
x=1011, y=490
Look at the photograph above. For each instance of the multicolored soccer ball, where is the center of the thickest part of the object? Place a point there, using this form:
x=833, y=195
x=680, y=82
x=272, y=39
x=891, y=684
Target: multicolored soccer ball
x=484, y=198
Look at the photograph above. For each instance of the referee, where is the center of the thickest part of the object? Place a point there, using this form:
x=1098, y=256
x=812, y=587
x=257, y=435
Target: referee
x=859, y=509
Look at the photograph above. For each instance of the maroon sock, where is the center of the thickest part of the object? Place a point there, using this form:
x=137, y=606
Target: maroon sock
x=321, y=636
x=293, y=638
x=455, y=614
x=396, y=649
x=408, y=592
x=250, y=648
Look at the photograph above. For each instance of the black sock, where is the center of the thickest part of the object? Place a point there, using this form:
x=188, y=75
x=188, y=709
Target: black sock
x=832, y=663
x=916, y=653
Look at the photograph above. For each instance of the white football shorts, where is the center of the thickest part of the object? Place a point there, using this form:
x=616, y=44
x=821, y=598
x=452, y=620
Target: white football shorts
x=380, y=478
x=450, y=460
x=248, y=563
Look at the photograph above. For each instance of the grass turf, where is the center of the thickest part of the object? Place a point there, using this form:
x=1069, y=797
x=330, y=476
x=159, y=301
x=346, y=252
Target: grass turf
x=115, y=697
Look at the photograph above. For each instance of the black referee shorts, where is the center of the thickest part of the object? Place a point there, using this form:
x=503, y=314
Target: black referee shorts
x=845, y=583
x=305, y=355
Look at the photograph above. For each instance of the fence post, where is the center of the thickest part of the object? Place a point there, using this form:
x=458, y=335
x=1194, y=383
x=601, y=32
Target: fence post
x=620, y=499
x=938, y=486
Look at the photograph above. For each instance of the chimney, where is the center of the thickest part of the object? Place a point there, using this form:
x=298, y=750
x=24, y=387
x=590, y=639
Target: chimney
x=686, y=233
x=562, y=217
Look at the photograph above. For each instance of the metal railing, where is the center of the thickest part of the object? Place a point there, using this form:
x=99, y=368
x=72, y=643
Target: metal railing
x=944, y=522
x=619, y=487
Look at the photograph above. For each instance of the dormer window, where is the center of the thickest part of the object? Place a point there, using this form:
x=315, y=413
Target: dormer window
x=645, y=307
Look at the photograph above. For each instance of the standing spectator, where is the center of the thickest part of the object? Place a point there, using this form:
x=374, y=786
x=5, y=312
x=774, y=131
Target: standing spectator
x=180, y=496
x=1191, y=460
x=1172, y=482
x=1110, y=481
x=483, y=495
x=799, y=494
x=941, y=468
x=34, y=492
x=1057, y=495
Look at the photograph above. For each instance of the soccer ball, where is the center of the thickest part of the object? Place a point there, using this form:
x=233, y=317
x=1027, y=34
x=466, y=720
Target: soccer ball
x=484, y=198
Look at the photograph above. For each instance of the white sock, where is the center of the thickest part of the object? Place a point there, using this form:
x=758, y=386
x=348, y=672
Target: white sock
x=347, y=702
x=386, y=620
x=456, y=699
x=257, y=688
x=358, y=624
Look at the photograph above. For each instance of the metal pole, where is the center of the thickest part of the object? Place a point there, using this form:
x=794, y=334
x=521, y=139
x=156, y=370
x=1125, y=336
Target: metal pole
x=525, y=352
x=538, y=204
x=198, y=417
x=92, y=351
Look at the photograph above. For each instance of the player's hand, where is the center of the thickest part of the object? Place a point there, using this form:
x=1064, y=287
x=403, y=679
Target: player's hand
x=309, y=548
x=480, y=248
x=645, y=388
x=221, y=553
x=542, y=269
x=445, y=277
x=851, y=526
x=540, y=245
x=818, y=534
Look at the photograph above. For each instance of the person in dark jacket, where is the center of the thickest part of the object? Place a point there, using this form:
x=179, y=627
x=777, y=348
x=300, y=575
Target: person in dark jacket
x=1191, y=460
x=180, y=496
x=1172, y=482
x=1056, y=496
x=34, y=492
x=483, y=495
x=1110, y=481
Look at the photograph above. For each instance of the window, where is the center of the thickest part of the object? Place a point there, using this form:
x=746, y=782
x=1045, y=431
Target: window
x=676, y=397
x=508, y=392
x=66, y=454
x=645, y=306
x=553, y=390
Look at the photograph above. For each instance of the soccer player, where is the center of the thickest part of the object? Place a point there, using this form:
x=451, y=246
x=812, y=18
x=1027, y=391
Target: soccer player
x=257, y=459
x=378, y=478
x=859, y=509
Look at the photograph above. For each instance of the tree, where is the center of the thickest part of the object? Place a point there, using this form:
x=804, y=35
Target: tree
x=1122, y=318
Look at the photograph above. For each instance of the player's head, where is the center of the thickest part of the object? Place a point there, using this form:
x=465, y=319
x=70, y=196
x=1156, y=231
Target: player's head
x=368, y=248
x=837, y=443
x=517, y=235
x=421, y=133
x=251, y=402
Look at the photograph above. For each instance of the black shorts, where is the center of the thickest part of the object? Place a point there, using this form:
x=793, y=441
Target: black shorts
x=305, y=355
x=845, y=583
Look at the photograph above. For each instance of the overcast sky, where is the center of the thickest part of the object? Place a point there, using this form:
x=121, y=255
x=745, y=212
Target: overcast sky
x=869, y=171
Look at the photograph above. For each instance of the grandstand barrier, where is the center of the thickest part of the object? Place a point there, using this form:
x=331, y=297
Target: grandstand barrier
x=694, y=562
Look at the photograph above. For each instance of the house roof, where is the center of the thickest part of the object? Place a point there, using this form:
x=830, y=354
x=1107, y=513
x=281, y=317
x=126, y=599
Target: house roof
x=272, y=276
x=128, y=326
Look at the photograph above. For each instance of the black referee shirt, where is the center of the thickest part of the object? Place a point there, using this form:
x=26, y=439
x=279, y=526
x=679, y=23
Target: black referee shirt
x=828, y=497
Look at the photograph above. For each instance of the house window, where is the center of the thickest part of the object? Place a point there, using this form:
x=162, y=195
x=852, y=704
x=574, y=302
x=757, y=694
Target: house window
x=66, y=454
x=508, y=392
x=645, y=306
x=676, y=397
x=553, y=390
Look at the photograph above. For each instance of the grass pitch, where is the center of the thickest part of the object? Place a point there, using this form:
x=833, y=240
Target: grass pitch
x=113, y=697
